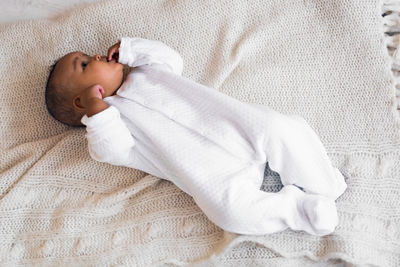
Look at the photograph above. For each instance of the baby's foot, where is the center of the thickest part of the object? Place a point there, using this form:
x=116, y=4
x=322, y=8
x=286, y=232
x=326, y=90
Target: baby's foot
x=321, y=213
x=340, y=183
x=314, y=214
x=332, y=188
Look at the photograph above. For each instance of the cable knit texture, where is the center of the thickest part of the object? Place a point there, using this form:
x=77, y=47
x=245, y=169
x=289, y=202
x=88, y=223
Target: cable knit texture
x=323, y=60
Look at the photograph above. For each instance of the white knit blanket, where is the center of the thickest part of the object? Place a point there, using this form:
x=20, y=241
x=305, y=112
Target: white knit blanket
x=324, y=60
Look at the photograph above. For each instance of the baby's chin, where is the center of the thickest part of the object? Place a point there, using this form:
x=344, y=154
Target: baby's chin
x=110, y=90
x=114, y=93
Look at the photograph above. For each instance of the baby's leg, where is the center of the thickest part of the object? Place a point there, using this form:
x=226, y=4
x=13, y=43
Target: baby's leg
x=296, y=152
x=237, y=205
x=302, y=160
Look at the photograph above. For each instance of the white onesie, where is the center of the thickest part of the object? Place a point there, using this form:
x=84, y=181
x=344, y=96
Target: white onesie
x=215, y=147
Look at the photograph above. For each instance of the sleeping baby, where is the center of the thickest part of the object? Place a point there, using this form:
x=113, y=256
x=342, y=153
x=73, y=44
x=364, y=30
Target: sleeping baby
x=212, y=146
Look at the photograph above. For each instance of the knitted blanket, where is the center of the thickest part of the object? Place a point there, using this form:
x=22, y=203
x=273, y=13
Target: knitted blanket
x=324, y=60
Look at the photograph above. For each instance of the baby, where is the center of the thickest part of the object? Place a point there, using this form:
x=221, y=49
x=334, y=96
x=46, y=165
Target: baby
x=212, y=146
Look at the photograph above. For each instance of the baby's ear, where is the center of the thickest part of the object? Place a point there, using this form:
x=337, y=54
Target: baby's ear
x=77, y=104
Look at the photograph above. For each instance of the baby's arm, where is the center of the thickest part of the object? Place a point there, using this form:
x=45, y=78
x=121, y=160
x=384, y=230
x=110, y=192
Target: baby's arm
x=137, y=52
x=109, y=140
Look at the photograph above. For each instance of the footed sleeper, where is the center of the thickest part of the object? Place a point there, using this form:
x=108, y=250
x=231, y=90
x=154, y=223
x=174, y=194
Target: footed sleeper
x=215, y=147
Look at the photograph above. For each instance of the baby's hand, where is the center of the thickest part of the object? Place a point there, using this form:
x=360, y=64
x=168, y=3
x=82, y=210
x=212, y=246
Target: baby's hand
x=90, y=93
x=113, y=52
x=91, y=100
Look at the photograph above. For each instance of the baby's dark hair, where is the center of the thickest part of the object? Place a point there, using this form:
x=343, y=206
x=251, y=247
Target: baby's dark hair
x=57, y=103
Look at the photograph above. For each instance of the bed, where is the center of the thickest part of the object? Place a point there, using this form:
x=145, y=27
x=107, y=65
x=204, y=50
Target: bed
x=336, y=63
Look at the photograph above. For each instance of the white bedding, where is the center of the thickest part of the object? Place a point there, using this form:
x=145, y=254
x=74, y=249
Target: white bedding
x=14, y=11
x=323, y=60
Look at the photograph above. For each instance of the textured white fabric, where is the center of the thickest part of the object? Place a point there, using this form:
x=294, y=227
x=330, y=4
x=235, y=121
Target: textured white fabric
x=215, y=147
x=323, y=60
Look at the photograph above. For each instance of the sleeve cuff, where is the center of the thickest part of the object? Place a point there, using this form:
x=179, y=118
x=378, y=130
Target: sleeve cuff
x=125, y=53
x=101, y=118
x=138, y=52
x=104, y=125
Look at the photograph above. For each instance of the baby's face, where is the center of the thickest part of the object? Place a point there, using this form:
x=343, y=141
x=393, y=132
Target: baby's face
x=79, y=71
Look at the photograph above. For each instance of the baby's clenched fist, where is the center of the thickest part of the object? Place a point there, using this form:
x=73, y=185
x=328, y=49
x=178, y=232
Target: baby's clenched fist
x=113, y=52
x=90, y=101
x=87, y=95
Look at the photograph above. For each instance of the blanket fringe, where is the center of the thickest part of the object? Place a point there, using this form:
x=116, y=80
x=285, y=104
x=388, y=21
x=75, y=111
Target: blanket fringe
x=391, y=28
